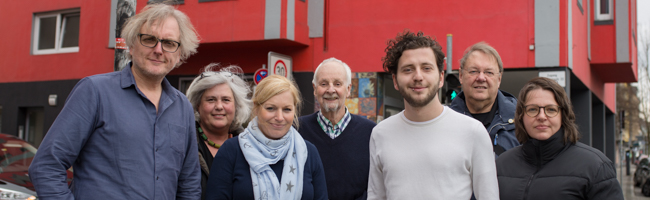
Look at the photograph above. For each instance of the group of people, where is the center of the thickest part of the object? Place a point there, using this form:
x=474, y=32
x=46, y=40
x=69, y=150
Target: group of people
x=131, y=135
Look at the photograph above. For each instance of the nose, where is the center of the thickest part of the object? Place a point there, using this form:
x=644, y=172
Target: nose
x=542, y=114
x=481, y=76
x=218, y=105
x=418, y=75
x=330, y=88
x=278, y=115
x=158, y=48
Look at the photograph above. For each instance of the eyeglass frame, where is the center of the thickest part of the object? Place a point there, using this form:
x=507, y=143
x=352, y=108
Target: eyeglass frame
x=478, y=72
x=159, y=41
x=559, y=109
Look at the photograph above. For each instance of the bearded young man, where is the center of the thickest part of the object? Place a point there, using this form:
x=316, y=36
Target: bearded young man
x=340, y=137
x=427, y=151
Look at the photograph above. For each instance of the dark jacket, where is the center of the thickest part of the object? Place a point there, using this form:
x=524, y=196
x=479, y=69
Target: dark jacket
x=551, y=169
x=502, y=127
x=206, y=162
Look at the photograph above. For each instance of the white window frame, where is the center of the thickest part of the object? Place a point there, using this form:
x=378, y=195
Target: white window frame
x=603, y=17
x=60, y=22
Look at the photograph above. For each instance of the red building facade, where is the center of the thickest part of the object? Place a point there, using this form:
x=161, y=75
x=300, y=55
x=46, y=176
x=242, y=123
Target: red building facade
x=590, y=43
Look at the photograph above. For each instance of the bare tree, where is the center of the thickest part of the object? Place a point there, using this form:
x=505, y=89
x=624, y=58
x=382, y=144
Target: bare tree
x=643, y=56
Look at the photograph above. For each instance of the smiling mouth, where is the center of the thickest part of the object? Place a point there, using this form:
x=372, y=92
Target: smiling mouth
x=480, y=87
x=416, y=89
x=278, y=125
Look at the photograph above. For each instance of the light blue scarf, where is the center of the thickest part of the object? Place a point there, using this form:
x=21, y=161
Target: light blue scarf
x=260, y=152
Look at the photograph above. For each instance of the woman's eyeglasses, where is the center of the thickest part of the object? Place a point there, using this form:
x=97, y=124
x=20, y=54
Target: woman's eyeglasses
x=549, y=110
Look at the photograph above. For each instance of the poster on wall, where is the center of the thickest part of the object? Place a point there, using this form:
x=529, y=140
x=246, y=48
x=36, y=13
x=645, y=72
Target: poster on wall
x=124, y=9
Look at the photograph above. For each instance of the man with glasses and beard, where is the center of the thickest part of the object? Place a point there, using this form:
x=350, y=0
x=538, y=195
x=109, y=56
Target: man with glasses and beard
x=128, y=134
x=427, y=151
x=340, y=137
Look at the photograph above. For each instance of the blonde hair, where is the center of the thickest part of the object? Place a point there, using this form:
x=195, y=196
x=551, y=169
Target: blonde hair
x=158, y=12
x=274, y=85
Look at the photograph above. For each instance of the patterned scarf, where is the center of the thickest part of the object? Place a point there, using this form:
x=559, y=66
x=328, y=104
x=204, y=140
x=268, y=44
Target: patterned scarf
x=261, y=152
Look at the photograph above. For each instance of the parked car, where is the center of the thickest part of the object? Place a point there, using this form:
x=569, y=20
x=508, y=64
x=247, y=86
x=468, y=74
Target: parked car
x=15, y=157
x=642, y=171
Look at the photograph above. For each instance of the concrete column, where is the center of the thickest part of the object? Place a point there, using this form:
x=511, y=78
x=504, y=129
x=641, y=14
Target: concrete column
x=581, y=100
x=598, y=125
x=610, y=135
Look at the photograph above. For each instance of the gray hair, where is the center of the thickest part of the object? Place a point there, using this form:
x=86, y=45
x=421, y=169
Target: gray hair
x=348, y=72
x=230, y=75
x=486, y=49
x=158, y=12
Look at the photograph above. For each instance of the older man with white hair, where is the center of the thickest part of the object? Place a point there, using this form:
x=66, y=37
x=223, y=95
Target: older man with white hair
x=341, y=138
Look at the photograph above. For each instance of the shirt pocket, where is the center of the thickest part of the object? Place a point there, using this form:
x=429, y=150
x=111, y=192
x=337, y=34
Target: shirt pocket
x=177, y=136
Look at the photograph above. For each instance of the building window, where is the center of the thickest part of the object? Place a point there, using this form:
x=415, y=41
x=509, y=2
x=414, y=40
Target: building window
x=603, y=10
x=56, y=32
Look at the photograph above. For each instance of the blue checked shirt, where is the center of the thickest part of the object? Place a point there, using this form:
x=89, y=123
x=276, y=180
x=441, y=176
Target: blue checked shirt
x=334, y=130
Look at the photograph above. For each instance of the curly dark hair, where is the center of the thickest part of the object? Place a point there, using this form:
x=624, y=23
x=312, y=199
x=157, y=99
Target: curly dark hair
x=407, y=41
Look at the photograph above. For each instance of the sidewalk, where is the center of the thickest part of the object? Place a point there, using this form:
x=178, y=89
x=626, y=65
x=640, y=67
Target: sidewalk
x=627, y=184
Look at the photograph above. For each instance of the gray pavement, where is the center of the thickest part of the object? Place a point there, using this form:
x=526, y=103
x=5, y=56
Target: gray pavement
x=627, y=184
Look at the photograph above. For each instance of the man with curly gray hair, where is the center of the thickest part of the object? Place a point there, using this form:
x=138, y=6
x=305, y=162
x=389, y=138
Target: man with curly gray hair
x=127, y=134
x=220, y=103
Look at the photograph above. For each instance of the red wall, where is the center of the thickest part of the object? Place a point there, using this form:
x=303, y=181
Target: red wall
x=17, y=63
x=358, y=30
x=581, y=65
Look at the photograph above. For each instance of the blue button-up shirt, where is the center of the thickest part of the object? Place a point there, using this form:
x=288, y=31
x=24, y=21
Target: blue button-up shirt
x=118, y=145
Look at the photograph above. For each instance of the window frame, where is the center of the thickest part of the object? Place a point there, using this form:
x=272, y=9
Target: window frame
x=603, y=17
x=60, y=24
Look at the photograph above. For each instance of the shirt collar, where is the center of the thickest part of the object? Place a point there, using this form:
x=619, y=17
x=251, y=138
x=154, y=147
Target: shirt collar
x=331, y=129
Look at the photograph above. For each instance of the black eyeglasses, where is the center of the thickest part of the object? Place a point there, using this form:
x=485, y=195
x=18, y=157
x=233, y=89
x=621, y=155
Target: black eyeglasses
x=151, y=41
x=549, y=110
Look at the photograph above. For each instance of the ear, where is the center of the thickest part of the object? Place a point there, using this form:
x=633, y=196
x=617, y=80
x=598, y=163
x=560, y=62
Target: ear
x=314, y=86
x=460, y=76
x=349, y=89
x=395, y=82
x=442, y=80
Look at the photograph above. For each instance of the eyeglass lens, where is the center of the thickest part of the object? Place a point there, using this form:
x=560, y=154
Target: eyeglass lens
x=151, y=41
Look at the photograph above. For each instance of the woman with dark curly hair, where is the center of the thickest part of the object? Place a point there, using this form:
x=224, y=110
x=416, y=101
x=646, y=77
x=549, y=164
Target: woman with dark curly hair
x=551, y=163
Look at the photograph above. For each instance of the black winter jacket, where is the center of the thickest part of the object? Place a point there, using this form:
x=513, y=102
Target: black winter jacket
x=552, y=170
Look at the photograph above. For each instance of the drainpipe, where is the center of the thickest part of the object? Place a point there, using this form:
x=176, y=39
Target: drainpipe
x=449, y=48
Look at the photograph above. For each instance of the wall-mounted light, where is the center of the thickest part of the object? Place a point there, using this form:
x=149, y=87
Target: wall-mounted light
x=51, y=100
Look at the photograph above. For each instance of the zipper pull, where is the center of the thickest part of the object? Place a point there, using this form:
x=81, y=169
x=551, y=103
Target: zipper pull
x=495, y=139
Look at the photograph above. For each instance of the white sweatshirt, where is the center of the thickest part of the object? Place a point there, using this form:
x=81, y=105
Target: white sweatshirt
x=443, y=158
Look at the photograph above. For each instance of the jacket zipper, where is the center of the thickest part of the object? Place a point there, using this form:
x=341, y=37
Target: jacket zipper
x=496, y=135
x=538, y=165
